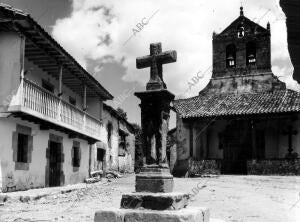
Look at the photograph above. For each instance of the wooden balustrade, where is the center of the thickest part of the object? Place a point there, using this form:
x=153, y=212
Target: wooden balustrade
x=37, y=99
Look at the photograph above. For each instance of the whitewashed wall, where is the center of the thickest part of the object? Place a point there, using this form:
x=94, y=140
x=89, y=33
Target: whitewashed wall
x=10, y=68
x=35, y=176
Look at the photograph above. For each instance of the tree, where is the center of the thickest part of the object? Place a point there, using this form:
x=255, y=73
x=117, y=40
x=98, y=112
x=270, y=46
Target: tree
x=122, y=113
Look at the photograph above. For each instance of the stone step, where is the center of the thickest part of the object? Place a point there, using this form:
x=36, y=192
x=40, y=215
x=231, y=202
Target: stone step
x=190, y=214
x=155, y=201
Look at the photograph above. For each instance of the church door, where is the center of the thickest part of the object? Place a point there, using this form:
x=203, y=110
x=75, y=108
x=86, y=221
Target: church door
x=237, y=147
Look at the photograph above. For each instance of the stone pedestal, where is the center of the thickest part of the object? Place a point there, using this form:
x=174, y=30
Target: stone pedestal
x=154, y=201
x=154, y=179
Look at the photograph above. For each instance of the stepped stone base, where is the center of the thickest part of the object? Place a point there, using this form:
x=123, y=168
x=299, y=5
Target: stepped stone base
x=154, y=179
x=155, y=201
x=128, y=215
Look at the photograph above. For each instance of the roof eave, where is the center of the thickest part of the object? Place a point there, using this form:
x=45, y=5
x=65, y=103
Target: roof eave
x=20, y=17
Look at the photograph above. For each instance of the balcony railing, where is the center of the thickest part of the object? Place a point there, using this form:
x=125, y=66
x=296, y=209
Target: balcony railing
x=35, y=100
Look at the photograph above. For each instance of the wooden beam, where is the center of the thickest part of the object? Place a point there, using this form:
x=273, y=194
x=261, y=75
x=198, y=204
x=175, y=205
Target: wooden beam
x=60, y=56
x=45, y=127
x=41, y=59
x=32, y=49
x=46, y=65
x=49, y=63
x=84, y=97
x=37, y=45
x=36, y=56
x=35, y=53
x=49, y=69
x=60, y=81
x=73, y=135
x=22, y=56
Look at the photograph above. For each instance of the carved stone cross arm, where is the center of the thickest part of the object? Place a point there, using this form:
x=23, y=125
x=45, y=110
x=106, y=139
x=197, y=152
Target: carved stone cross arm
x=162, y=58
x=155, y=61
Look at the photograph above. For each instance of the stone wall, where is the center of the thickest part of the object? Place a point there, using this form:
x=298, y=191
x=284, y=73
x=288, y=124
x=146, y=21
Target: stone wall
x=114, y=161
x=260, y=36
x=126, y=162
x=204, y=167
x=274, y=167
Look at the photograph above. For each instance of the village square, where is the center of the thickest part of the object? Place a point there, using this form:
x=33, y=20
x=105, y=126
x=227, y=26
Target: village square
x=73, y=149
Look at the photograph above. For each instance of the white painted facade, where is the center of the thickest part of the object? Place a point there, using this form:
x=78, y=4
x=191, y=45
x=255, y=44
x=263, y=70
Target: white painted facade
x=12, y=179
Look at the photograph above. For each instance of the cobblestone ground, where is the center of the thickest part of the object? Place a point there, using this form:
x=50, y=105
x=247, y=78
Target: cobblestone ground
x=232, y=198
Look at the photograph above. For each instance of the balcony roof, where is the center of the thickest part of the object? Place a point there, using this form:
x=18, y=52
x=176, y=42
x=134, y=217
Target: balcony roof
x=48, y=54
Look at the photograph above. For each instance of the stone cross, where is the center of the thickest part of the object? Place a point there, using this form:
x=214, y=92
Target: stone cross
x=153, y=199
x=155, y=112
x=155, y=61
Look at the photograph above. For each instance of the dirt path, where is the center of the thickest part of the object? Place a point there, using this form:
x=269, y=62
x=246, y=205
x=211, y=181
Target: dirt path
x=247, y=198
x=232, y=198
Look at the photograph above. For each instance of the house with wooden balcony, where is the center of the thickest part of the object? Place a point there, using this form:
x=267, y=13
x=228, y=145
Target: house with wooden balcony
x=51, y=108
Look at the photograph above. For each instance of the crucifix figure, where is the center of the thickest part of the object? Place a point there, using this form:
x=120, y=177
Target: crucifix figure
x=155, y=61
x=290, y=132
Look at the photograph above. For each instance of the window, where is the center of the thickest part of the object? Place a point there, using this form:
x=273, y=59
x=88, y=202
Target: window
x=22, y=145
x=100, y=154
x=72, y=101
x=241, y=31
x=22, y=148
x=76, y=156
x=230, y=56
x=251, y=53
x=48, y=86
x=109, y=133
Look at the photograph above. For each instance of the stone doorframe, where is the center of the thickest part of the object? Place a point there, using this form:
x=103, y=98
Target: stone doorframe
x=57, y=139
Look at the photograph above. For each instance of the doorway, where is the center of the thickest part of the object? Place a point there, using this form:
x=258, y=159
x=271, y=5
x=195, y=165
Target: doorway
x=55, y=163
x=237, y=147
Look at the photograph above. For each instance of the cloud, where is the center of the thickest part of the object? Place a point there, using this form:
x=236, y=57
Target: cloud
x=98, y=29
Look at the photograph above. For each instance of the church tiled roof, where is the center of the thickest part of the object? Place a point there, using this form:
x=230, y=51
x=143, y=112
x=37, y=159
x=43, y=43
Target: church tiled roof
x=230, y=104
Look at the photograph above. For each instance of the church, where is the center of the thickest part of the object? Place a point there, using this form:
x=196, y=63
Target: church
x=245, y=121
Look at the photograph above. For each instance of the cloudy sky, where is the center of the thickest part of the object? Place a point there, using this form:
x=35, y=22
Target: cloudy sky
x=106, y=36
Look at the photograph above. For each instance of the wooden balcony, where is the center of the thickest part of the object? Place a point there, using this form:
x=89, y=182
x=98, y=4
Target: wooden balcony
x=31, y=99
